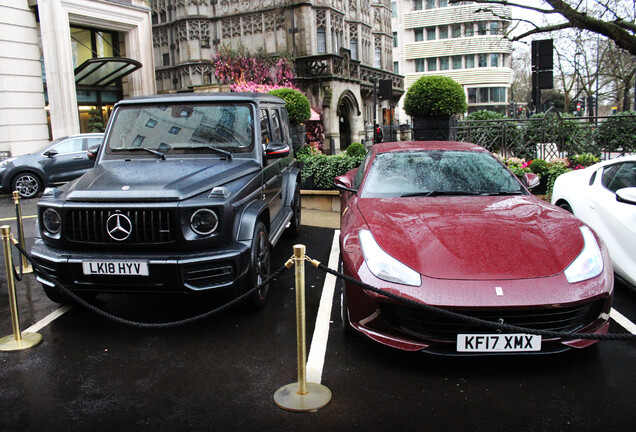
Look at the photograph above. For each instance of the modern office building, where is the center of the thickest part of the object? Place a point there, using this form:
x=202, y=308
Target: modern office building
x=64, y=63
x=464, y=41
x=340, y=48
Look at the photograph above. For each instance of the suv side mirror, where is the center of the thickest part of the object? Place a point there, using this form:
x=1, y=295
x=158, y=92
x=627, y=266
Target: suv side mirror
x=626, y=195
x=277, y=150
x=530, y=180
x=50, y=153
x=92, y=152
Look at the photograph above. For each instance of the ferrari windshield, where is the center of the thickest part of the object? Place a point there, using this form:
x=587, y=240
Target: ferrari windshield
x=438, y=172
x=183, y=128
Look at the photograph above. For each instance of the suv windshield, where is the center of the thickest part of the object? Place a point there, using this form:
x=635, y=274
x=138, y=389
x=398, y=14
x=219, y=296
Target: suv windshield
x=185, y=128
x=438, y=173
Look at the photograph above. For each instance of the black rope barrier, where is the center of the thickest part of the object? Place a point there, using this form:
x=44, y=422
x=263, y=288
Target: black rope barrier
x=473, y=320
x=62, y=289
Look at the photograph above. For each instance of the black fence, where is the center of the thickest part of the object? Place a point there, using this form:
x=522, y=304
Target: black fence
x=553, y=136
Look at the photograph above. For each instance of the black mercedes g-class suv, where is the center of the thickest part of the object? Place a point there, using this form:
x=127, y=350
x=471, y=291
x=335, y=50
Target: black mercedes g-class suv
x=189, y=194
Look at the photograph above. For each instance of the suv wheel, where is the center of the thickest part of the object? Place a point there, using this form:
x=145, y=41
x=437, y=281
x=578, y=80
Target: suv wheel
x=259, y=269
x=28, y=185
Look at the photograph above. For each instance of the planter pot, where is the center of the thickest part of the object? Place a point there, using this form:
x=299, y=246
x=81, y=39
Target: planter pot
x=298, y=136
x=438, y=128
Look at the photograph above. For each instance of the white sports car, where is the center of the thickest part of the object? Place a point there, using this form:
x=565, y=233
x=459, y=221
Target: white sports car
x=604, y=197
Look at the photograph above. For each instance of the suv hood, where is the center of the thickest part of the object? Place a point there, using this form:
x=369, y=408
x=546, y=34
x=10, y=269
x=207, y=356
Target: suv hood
x=478, y=238
x=156, y=180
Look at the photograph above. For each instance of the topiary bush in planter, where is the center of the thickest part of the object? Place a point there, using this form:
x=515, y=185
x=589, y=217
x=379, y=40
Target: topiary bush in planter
x=433, y=102
x=356, y=150
x=297, y=104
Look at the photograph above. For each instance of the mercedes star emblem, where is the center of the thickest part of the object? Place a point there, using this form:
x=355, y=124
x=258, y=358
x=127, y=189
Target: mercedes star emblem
x=118, y=227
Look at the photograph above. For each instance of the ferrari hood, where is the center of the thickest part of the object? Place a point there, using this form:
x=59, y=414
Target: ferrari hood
x=478, y=238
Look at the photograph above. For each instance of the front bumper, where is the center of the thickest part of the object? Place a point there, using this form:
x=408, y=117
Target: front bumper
x=168, y=272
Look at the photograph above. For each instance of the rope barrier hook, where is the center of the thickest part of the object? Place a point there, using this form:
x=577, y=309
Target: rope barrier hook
x=18, y=341
x=301, y=396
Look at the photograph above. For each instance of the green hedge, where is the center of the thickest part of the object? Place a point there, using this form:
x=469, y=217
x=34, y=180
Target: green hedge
x=434, y=96
x=322, y=169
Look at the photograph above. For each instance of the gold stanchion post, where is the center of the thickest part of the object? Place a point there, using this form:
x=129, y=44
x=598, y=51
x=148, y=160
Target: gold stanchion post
x=17, y=341
x=26, y=266
x=301, y=396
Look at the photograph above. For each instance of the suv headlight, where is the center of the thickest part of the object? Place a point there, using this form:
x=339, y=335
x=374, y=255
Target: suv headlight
x=383, y=265
x=204, y=222
x=51, y=221
x=589, y=263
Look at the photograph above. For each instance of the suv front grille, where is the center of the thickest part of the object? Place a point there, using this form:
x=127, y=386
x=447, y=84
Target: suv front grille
x=152, y=226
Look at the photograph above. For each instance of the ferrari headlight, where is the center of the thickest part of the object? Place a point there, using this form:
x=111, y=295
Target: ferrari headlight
x=589, y=263
x=383, y=265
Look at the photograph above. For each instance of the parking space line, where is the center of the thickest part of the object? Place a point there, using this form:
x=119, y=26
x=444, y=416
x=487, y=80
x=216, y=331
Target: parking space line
x=13, y=218
x=316, y=359
x=622, y=321
x=48, y=319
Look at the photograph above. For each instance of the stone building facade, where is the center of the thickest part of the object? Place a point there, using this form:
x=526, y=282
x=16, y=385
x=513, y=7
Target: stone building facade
x=341, y=49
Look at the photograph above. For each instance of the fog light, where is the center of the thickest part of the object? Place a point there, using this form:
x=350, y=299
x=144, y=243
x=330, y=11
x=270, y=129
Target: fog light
x=52, y=221
x=204, y=222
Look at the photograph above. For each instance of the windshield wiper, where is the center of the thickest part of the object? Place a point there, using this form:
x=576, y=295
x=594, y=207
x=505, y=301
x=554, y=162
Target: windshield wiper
x=211, y=148
x=503, y=193
x=438, y=193
x=149, y=150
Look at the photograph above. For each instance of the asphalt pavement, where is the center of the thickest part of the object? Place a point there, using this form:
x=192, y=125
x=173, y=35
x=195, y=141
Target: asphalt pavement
x=220, y=374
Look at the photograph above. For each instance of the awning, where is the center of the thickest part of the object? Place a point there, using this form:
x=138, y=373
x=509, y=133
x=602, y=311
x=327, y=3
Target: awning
x=102, y=72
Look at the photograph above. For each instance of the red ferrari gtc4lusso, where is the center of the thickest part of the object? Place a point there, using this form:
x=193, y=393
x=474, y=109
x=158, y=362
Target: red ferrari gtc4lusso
x=446, y=224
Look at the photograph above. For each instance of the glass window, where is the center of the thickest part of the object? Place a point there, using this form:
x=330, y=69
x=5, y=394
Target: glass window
x=322, y=41
x=457, y=62
x=353, y=46
x=430, y=4
x=619, y=176
x=472, y=95
x=277, y=133
x=443, y=32
x=378, y=58
x=430, y=33
x=481, y=28
x=444, y=63
x=393, y=9
x=469, y=29
x=483, y=95
x=419, y=65
x=396, y=67
x=498, y=94
x=431, y=63
x=483, y=60
x=266, y=136
x=395, y=40
x=456, y=30
x=494, y=27
x=151, y=123
x=71, y=146
x=438, y=172
x=442, y=3
x=419, y=34
x=470, y=61
x=223, y=125
x=494, y=60
x=417, y=5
